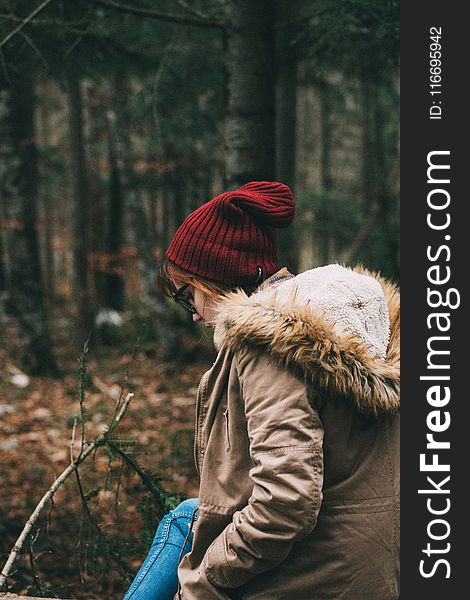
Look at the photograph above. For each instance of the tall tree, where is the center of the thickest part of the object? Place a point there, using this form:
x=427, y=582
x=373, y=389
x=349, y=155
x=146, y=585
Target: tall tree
x=80, y=198
x=286, y=119
x=326, y=172
x=360, y=39
x=47, y=207
x=132, y=203
x=133, y=199
x=18, y=193
x=114, y=279
x=96, y=104
x=250, y=72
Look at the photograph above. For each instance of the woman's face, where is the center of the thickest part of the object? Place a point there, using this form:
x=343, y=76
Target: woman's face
x=204, y=305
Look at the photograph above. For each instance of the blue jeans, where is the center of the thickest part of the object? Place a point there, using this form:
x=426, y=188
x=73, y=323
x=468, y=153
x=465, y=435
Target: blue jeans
x=157, y=578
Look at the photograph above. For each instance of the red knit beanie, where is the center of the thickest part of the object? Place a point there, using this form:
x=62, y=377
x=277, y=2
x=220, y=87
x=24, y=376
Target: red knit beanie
x=229, y=240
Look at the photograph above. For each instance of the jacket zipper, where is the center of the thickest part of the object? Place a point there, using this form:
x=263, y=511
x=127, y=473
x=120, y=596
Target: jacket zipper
x=196, y=425
x=227, y=435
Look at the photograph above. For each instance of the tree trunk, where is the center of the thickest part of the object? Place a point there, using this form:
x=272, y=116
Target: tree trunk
x=114, y=276
x=47, y=213
x=375, y=192
x=326, y=136
x=250, y=72
x=286, y=118
x=369, y=163
x=80, y=197
x=145, y=241
x=97, y=102
x=326, y=162
x=370, y=176
x=18, y=193
x=9, y=179
x=390, y=259
x=5, y=261
x=170, y=212
x=143, y=234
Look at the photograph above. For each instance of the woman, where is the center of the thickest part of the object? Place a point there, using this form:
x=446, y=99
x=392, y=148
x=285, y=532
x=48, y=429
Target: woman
x=297, y=421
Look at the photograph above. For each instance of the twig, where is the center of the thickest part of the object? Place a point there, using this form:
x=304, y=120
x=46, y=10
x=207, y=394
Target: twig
x=299, y=20
x=91, y=518
x=25, y=22
x=100, y=441
x=193, y=11
x=149, y=483
x=82, y=364
x=125, y=381
x=81, y=34
x=118, y=487
x=198, y=20
x=72, y=441
x=34, y=48
x=37, y=583
x=48, y=518
x=152, y=14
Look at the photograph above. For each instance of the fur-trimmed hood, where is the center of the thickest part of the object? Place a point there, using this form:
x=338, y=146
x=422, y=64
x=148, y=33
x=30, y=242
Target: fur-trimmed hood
x=339, y=327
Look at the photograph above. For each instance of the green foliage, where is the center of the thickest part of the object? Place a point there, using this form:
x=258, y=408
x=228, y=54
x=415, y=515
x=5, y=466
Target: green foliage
x=149, y=511
x=82, y=384
x=358, y=37
x=118, y=441
x=82, y=375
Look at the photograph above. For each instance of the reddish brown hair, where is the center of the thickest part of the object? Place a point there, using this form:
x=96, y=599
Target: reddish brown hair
x=169, y=273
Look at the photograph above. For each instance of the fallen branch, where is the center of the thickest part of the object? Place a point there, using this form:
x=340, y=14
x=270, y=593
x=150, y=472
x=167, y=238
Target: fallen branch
x=87, y=450
x=16, y=597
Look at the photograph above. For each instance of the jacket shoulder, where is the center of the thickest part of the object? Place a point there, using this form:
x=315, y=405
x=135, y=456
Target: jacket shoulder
x=300, y=334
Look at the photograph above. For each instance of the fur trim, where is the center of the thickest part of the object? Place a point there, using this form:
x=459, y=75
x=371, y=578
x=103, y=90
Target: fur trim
x=299, y=336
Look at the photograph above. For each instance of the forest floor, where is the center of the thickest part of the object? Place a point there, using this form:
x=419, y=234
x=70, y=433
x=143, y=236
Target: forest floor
x=67, y=557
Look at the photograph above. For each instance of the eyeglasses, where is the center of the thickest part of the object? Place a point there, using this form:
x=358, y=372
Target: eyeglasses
x=184, y=299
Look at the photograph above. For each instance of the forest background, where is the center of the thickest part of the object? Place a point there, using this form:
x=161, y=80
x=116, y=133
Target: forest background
x=117, y=119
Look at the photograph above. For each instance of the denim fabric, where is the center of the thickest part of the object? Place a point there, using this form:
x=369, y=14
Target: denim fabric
x=157, y=578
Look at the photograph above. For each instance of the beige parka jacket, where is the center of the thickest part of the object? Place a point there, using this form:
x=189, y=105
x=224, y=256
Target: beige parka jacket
x=297, y=443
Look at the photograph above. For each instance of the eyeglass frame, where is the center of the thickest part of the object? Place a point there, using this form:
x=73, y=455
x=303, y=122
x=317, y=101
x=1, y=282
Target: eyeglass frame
x=181, y=302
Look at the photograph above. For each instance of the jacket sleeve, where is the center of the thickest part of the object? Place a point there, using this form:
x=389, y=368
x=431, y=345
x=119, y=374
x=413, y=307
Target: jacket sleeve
x=286, y=437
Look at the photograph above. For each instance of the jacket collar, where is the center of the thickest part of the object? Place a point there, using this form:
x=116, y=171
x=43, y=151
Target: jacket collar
x=300, y=336
x=275, y=279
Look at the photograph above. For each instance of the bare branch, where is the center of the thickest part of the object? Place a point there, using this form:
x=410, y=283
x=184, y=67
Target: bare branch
x=91, y=518
x=192, y=10
x=36, y=580
x=149, y=483
x=152, y=14
x=17, y=548
x=25, y=22
x=72, y=441
x=34, y=48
